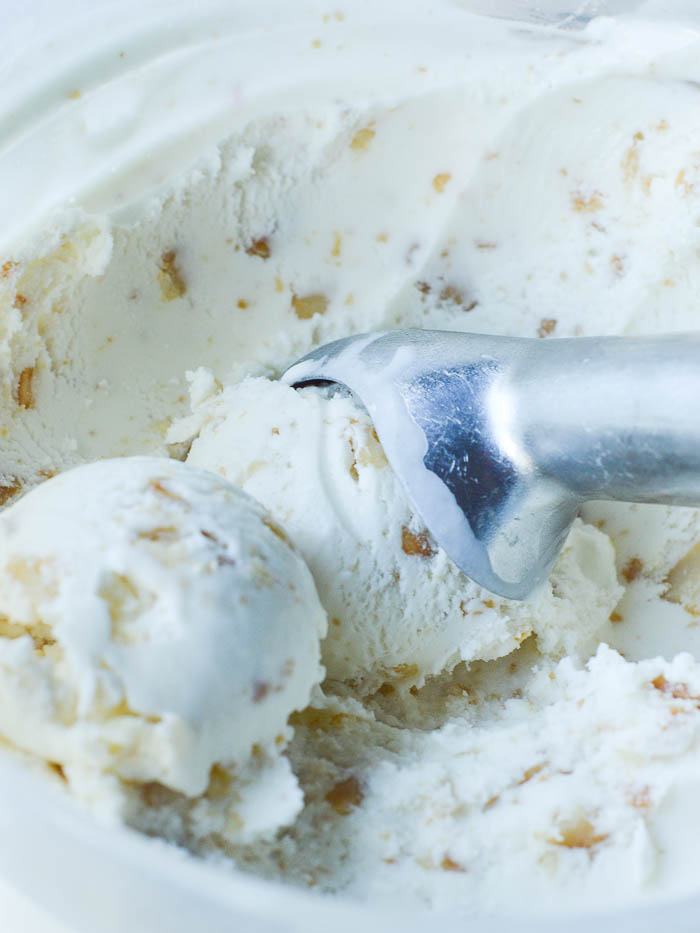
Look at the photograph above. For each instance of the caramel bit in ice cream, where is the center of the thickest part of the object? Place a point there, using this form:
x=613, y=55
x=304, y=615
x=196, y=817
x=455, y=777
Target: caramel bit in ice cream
x=580, y=834
x=678, y=691
x=586, y=204
x=260, y=247
x=617, y=264
x=9, y=490
x=530, y=773
x=57, y=769
x=345, y=795
x=159, y=486
x=25, y=391
x=386, y=690
x=452, y=294
x=242, y=303
x=31, y=574
x=172, y=284
x=422, y=287
x=7, y=268
x=455, y=296
x=219, y=783
x=615, y=617
x=161, y=533
x=682, y=182
x=319, y=719
x=632, y=569
x=419, y=545
x=363, y=138
x=20, y=300
x=547, y=326
x=276, y=530
x=440, y=181
x=369, y=454
x=39, y=632
x=449, y=864
x=306, y=306
x=124, y=602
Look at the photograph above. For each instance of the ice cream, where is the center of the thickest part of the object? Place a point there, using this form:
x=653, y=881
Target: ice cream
x=550, y=789
x=156, y=626
x=214, y=192
x=399, y=609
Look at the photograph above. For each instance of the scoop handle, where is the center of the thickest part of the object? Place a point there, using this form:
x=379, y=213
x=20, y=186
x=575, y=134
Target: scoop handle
x=613, y=417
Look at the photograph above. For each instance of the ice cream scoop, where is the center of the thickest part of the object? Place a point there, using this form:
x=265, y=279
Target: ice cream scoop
x=499, y=440
x=399, y=609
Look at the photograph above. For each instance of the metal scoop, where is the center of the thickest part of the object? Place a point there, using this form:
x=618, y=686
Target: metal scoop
x=499, y=440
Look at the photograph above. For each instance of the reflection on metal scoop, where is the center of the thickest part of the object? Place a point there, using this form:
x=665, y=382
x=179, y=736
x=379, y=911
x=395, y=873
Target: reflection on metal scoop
x=498, y=440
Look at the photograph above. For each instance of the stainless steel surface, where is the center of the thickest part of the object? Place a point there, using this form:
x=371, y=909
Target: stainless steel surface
x=498, y=440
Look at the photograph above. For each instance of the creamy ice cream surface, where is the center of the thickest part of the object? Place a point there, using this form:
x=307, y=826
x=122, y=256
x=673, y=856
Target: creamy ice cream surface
x=157, y=628
x=193, y=198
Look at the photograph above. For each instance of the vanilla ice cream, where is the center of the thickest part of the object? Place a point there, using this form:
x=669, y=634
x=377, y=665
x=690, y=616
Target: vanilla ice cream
x=192, y=199
x=155, y=625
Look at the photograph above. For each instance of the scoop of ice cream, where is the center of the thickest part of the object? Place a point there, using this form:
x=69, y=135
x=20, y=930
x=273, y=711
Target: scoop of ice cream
x=399, y=608
x=154, y=621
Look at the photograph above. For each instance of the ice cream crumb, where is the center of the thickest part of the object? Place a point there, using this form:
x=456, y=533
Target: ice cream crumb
x=260, y=248
x=307, y=305
x=9, y=489
x=440, y=181
x=587, y=204
x=580, y=834
x=632, y=569
x=362, y=138
x=172, y=284
x=417, y=544
x=25, y=390
x=345, y=795
x=547, y=326
x=449, y=864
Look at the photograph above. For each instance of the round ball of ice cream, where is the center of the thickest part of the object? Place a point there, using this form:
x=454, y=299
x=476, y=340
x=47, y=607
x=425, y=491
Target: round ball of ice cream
x=399, y=609
x=154, y=621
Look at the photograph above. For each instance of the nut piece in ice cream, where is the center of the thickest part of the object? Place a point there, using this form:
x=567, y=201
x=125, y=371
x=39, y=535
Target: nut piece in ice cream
x=154, y=624
x=399, y=608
